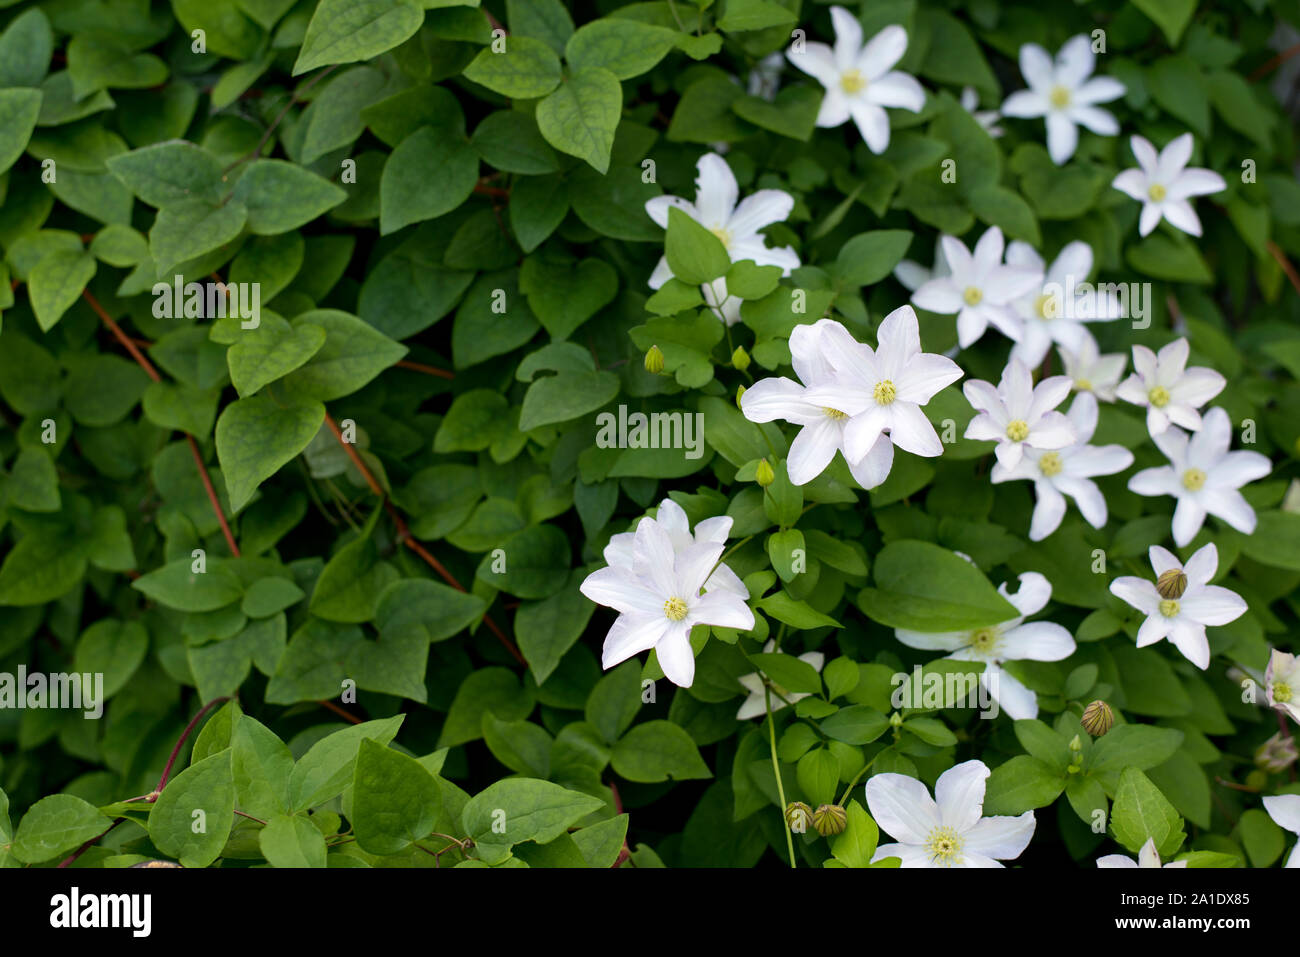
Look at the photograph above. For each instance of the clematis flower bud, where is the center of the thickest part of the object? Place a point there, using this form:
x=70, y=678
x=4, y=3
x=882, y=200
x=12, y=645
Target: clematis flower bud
x=740, y=358
x=1172, y=583
x=654, y=360
x=764, y=475
x=1098, y=718
x=798, y=816
x=1277, y=753
x=830, y=819
x=740, y=392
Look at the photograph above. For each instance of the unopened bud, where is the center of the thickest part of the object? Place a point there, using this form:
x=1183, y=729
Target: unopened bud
x=1075, y=744
x=1098, y=718
x=764, y=474
x=895, y=720
x=740, y=358
x=740, y=392
x=830, y=819
x=1172, y=583
x=654, y=360
x=798, y=816
x=1277, y=753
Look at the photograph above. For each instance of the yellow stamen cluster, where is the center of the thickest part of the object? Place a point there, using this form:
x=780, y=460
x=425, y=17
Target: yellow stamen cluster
x=1059, y=97
x=1169, y=608
x=675, y=609
x=944, y=845
x=973, y=296
x=1157, y=192
x=852, y=81
x=1159, y=396
x=1050, y=464
x=835, y=414
x=1018, y=430
x=884, y=393
x=1193, y=480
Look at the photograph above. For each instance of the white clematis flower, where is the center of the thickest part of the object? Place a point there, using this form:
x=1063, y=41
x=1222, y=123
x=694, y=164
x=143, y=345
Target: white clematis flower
x=621, y=550
x=736, y=224
x=660, y=598
x=1068, y=472
x=979, y=288
x=1056, y=311
x=970, y=102
x=1147, y=857
x=1282, y=683
x=1013, y=640
x=1090, y=370
x=1183, y=619
x=860, y=80
x=856, y=400
x=756, y=703
x=1018, y=414
x=1063, y=92
x=1284, y=809
x=948, y=830
x=1204, y=476
x=1167, y=388
x=1162, y=184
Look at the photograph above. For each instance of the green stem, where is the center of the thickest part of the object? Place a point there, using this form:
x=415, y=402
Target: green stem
x=776, y=769
x=858, y=777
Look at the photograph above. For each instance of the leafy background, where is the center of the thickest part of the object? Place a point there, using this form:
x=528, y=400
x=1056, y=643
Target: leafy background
x=467, y=301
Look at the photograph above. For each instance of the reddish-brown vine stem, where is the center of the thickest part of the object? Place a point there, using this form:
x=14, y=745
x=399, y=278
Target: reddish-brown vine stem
x=404, y=535
x=150, y=371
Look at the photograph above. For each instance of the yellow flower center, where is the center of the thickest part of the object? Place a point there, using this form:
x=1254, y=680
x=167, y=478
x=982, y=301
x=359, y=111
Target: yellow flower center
x=1281, y=692
x=834, y=413
x=1050, y=464
x=852, y=81
x=675, y=609
x=1157, y=192
x=1169, y=608
x=984, y=640
x=1159, y=396
x=884, y=392
x=1018, y=430
x=723, y=235
x=973, y=295
x=1059, y=97
x=1047, y=306
x=944, y=845
x=1083, y=385
x=1193, y=480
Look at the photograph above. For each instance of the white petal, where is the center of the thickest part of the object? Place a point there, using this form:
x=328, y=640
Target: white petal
x=1062, y=137
x=1284, y=809
x=1138, y=592
x=902, y=807
x=872, y=470
x=812, y=450
x=898, y=90
x=872, y=122
x=1200, y=568
x=1000, y=837
x=763, y=208
x=817, y=60
x=716, y=190
x=1049, y=509
x=723, y=609
x=848, y=37
x=1132, y=182
x=884, y=50
x=619, y=589
x=1174, y=157
x=1188, y=519
x=1025, y=104
x=676, y=657
x=1015, y=699
x=1196, y=182
x=1179, y=214
x=1212, y=605
x=1074, y=62
x=1191, y=641
x=959, y=793
x=1032, y=594
x=779, y=398
x=1036, y=66
x=1036, y=641
x=632, y=635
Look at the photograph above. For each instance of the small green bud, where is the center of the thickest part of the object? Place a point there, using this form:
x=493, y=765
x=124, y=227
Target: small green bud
x=654, y=360
x=830, y=819
x=895, y=720
x=1075, y=744
x=798, y=816
x=740, y=391
x=740, y=358
x=1098, y=718
x=764, y=474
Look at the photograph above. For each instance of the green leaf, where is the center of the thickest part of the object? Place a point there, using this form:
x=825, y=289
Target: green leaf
x=857, y=844
x=260, y=767
x=177, y=585
x=281, y=196
x=19, y=109
x=56, y=825
x=114, y=649
x=290, y=840
x=694, y=254
x=1021, y=784
x=656, y=751
x=924, y=587
x=395, y=800
x=168, y=173
x=626, y=48
x=818, y=773
x=1141, y=812
x=856, y=724
x=1171, y=16
x=792, y=674
x=192, y=817
x=256, y=437
x=429, y=609
x=522, y=809
x=428, y=174
x=1261, y=837
x=271, y=351
x=580, y=117
x=744, y=15
x=327, y=767
x=1139, y=746
x=869, y=257
x=57, y=282
x=525, y=70
x=344, y=31
x=352, y=355
x=191, y=228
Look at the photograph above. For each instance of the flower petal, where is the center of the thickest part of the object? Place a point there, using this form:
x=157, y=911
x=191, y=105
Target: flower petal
x=1000, y=837
x=902, y=807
